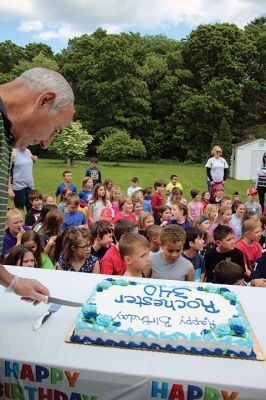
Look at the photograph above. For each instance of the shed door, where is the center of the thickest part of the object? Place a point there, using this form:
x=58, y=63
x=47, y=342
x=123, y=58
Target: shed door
x=256, y=157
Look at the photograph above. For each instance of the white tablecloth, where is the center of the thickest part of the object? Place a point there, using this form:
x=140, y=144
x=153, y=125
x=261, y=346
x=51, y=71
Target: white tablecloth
x=114, y=373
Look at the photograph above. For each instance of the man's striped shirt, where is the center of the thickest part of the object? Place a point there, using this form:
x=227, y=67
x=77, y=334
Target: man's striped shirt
x=5, y=153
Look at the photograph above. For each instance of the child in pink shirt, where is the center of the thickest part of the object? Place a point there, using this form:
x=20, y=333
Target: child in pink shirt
x=195, y=207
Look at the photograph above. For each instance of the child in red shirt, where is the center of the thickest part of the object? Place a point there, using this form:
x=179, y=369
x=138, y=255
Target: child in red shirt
x=249, y=244
x=112, y=262
x=126, y=208
x=157, y=199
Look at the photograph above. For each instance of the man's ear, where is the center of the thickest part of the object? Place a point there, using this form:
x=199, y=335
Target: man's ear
x=45, y=100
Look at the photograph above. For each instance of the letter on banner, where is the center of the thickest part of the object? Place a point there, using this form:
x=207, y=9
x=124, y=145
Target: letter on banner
x=9, y=370
x=177, y=392
x=163, y=391
x=211, y=394
x=194, y=392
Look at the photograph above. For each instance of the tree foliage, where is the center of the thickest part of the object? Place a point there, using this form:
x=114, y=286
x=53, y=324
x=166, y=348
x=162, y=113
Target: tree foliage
x=72, y=143
x=223, y=138
x=120, y=146
x=174, y=96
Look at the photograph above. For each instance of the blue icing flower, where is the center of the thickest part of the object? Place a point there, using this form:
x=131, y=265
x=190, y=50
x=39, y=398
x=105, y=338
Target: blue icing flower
x=204, y=332
x=200, y=288
x=222, y=329
x=224, y=289
x=122, y=282
x=109, y=279
x=104, y=319
x=104, y=285
x=133, y=283
x=90, y=315
x=229, y=296
x=212, y=289
x=237, y=321
x=98, y=289
x=239, y=330
x=89, y=308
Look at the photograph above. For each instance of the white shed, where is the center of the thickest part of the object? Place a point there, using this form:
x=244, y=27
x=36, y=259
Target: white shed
x=246, y=159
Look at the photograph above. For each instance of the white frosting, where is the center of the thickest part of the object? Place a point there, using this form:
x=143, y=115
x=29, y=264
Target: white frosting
x=165, y=315
x=168, y=319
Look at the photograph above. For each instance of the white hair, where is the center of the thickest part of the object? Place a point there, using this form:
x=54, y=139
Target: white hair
x=43, y=79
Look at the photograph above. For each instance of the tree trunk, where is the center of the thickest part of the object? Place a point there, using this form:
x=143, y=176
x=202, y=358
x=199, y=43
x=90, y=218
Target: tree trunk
x=69, y=161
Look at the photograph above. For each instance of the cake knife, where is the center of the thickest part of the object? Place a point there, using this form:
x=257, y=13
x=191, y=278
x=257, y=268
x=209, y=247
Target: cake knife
x=63, y=302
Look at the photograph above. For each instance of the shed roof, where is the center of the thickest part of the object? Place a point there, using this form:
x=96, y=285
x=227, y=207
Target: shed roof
x=246, y=142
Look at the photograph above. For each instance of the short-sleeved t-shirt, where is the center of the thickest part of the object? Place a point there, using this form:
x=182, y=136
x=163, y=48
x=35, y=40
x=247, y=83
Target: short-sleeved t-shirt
x=213, y=257
x=162, y=269
x=255, y=207
x=217, y=166
x=63, y=186
x=94, y=174
x=73, y=219
x=131, y=217
x=112, y=263
x=198, y=263
x=195, y=208
x=250, y=253
x=21, y=171
x=132, y=189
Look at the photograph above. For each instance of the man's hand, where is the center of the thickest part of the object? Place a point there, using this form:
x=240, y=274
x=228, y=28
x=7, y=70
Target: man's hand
x=31, y=290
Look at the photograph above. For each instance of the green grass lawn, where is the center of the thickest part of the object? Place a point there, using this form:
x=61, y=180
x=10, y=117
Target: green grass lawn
x=48, y=174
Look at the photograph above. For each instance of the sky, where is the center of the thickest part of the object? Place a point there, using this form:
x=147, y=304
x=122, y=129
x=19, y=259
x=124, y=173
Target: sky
x=54, y=22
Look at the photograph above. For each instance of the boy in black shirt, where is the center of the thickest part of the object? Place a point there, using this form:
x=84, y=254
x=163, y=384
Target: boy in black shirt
x=225, y=250
x=35, y=198
x=102, y=236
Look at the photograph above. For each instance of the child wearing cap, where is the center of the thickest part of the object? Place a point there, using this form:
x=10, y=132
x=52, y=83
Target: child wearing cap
x=106, y=214
x=252, y=204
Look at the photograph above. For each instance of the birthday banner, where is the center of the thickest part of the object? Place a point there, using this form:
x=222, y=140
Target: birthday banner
x=26, y=381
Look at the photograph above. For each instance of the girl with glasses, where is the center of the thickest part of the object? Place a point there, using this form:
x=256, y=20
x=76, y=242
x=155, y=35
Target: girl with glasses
x=76, y=252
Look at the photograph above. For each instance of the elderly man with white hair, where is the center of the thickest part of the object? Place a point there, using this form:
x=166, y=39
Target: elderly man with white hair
x=34, y=108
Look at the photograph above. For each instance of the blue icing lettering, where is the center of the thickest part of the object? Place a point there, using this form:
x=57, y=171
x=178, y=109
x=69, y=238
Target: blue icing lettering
x=150, y=290
x=182, y=304
x=193, y=304
x=210, y=308
x=120, y=300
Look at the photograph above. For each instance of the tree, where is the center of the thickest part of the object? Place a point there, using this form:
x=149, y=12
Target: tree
x=72, y=143
x=119, y=146
x=223, y=138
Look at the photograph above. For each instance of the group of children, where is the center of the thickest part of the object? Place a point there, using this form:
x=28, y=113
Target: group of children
x=145, y=233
